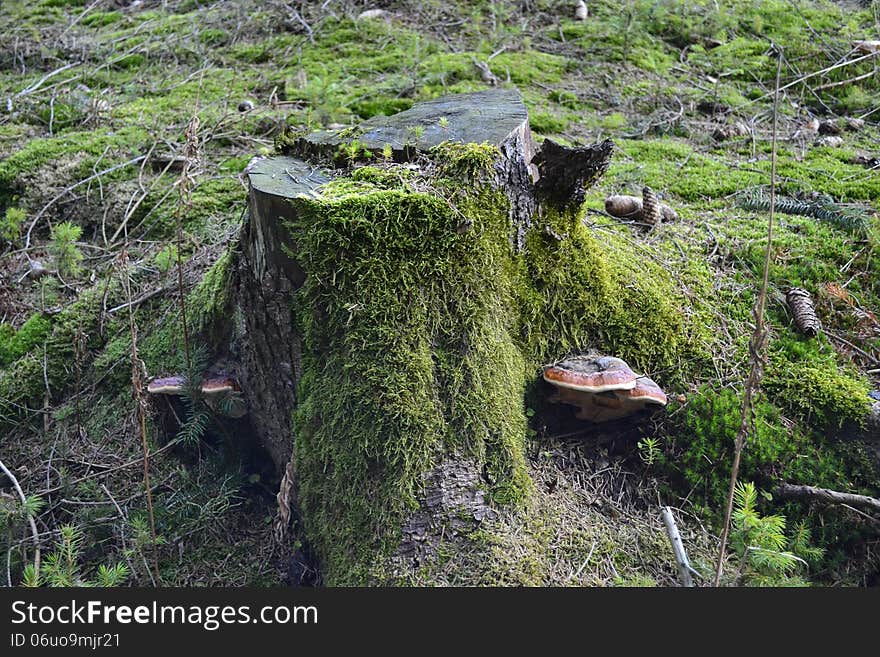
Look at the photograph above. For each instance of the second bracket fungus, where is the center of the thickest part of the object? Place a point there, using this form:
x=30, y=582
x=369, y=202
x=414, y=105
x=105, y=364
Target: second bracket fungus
x=603, y=388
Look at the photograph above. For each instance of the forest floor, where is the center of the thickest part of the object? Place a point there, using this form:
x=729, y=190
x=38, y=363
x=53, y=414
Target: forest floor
x=97, y=98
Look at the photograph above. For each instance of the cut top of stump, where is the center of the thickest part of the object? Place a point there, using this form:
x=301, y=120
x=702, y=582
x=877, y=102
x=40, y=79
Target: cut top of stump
x=286, y=177
x=491, y=116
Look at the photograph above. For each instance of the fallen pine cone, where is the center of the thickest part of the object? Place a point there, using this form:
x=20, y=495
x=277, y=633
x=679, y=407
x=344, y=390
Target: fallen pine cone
x=651, y=212
x=630, y=207
x=737, y=129
x=803, y=310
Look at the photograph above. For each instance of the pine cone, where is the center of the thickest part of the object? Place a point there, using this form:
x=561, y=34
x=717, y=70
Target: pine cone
x=652, y=214
x=803, y=310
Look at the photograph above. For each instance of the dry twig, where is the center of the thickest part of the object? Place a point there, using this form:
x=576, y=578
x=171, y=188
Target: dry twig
x=758, y=342
x=34, y=532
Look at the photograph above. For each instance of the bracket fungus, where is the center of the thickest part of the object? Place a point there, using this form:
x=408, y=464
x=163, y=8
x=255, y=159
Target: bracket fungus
x=603, y=388
x=221, y=392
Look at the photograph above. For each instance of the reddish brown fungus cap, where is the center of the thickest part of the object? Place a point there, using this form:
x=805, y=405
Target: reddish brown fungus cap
x=219, y=384
x=591, y=374
x=603, y=388
x=646, y=392
x=170, y=385
x=174, y=385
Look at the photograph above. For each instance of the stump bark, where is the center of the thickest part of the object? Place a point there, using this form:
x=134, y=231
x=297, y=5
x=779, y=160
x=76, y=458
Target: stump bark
x=566, y=173
x=265, y=277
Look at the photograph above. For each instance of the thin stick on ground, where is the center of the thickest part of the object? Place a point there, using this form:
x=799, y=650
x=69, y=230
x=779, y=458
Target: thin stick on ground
x=758, y=342
x=190, y=153
x=681, y=558
x=30, y=518
x=826, y=495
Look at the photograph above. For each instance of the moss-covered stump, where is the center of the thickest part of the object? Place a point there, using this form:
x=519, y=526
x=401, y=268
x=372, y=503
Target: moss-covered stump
x=392, y=324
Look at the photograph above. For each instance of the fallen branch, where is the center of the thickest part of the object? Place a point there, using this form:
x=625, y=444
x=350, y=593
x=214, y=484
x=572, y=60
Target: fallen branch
x=803, y=78
x=144, y=297
x=797, y=491
x=30, y=518
x=39, y=83
x=681, y=558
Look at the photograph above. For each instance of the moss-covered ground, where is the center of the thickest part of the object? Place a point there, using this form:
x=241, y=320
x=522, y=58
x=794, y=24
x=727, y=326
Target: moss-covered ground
x=92, y=132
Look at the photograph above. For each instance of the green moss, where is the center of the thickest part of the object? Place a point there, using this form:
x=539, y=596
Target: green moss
x=209, y=301
x=383, y=106
x=594, y=290
x=10, y=227
x=132, y=62
x=25, y=380
x=810, y=383
x=408, y=354
x=526, y=68
x=699, y=457
x=101, y=18
x=468, y=160
x=15, y=344
x=696, y=176
x=60, y=116
x=213, y=36
x=613, y=121
x=546, y=123
x=565, y=98
x=91, y=145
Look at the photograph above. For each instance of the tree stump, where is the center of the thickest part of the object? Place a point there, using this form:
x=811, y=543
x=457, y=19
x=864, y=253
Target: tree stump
x=387, y=307
x=303, y=278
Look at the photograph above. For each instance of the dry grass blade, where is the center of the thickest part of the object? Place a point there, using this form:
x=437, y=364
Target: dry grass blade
x=137, y=385
x=758, y=342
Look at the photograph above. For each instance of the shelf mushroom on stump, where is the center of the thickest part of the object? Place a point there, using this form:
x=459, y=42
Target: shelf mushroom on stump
x=222, y=393
x=604, y=388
